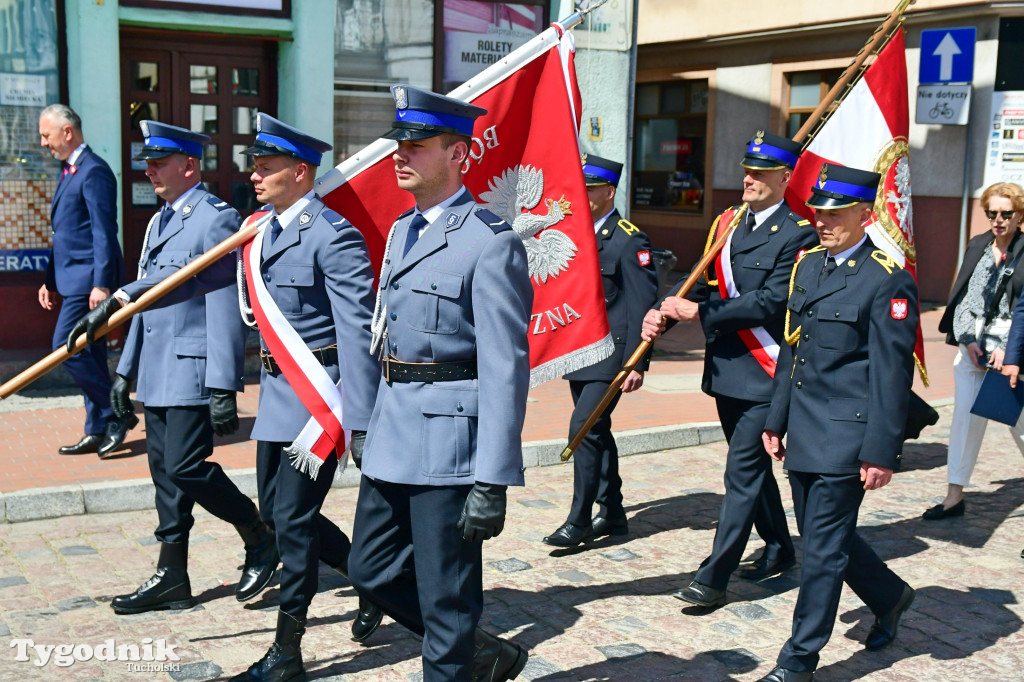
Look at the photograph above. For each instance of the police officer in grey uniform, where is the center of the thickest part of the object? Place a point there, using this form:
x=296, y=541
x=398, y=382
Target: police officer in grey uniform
x=841, y=393
x=317, y=270
x=450, y=327
x=187, y=353
x=630, y=282
x=741, y=328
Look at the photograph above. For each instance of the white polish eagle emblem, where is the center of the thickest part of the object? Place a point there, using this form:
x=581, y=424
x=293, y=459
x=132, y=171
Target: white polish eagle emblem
x=512, y=196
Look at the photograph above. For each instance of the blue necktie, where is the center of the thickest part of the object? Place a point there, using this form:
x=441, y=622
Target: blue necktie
x=275, y=230
x=165, y=217
x=417, y=224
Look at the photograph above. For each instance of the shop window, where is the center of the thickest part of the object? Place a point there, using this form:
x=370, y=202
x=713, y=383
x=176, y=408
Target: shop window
x=805, y=90
x=670, y=143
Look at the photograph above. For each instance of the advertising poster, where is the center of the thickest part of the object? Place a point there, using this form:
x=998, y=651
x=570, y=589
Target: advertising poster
x=478, y=34
x=1004, y=158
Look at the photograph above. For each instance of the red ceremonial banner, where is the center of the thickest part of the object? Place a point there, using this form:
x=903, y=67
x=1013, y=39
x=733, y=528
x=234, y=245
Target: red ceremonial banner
x=524, y=167
x=869, y=131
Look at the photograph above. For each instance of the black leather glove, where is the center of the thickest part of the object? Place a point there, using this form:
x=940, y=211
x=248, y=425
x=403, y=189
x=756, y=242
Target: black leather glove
x=223, y=411
x=483, y=516
x=355, y=447
x=120, y=401
x=93, y=320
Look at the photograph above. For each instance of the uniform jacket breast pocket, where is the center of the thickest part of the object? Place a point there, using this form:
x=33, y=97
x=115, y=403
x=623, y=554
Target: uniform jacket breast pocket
x=435, y=307
x=293, y=284
x=837, y=327
x=610, y=276
x=758, y=265
x=796, y=301
x=449, y=431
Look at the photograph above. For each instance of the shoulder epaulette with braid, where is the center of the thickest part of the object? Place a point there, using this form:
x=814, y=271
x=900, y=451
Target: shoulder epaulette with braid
x=885, y=260
x=628, y=227
x=794, y=336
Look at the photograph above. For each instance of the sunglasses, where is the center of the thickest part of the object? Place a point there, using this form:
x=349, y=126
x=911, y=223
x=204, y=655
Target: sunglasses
x=1007, y=215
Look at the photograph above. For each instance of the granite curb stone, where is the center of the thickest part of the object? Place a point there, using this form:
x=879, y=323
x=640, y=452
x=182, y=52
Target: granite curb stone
x=138, y=494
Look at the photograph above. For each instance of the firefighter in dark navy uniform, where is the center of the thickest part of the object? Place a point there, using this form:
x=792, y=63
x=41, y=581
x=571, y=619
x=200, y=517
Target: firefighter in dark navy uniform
x=630, y=287
x=841, y=393
x=740, y=304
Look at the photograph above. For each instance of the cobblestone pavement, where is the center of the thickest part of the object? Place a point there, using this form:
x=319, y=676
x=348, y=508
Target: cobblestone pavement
x=603, y=613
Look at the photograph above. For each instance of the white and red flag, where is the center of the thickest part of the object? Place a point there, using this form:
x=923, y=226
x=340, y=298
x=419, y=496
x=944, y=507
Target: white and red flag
x=525, y=167
x=869, y=131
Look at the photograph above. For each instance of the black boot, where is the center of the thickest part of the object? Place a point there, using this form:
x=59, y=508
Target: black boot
x=496, y=659
x=261, y=558
x=283, y=660
x=167, y=589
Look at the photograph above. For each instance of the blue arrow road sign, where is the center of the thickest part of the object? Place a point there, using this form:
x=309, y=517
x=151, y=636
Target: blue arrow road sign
x=947, y=55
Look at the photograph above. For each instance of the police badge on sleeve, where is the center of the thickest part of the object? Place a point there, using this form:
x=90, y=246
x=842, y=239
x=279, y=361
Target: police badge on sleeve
x=898, y=308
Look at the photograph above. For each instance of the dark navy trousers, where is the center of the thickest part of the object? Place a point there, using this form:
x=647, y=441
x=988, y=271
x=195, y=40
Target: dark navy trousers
x=88, y=368
x=751, y=494
x=409, y=558
x=826, y=513
x=596, y=461
x=290, y=503
x=179, y=440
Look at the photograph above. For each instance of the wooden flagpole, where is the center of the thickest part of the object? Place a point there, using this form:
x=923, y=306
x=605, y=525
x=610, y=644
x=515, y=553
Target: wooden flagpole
x=58, y=356
x=879, y=38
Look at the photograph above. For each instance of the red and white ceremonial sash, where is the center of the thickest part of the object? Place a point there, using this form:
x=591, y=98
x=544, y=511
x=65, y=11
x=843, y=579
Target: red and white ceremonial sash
x=323, y=433
x=757, y=339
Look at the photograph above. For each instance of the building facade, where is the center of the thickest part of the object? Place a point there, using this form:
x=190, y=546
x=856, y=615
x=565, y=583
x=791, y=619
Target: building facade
x=322, y=65
x=710, y=73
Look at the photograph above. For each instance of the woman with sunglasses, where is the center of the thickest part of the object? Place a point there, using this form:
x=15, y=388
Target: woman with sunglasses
x=977, y=319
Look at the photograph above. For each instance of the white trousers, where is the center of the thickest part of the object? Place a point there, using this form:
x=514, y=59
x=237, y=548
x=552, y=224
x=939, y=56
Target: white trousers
x=968, y=430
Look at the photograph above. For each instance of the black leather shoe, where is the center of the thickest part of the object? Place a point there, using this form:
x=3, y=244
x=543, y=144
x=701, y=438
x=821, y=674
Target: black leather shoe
x=117, y=429
x=602, y=526
x=283, y=660
x=569, y=535
x=261, y=558
x=940, y=512
x=168, y=589
x=367, y=620
x=496, y=659
x=701, y=595
x=780, y=674
x=90, y=443
x=883, y=632
x=764, y=567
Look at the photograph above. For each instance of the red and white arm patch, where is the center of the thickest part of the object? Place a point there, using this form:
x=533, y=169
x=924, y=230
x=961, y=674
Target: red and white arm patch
x=644, y=257
x=898, y=308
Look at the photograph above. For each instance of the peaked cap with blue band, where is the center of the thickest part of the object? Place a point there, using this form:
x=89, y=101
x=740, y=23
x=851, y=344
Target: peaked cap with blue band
x=274, y=138
x=420, y=114
x=162, y=140
x=770, y=152
x=840, y=187
x=600, y=171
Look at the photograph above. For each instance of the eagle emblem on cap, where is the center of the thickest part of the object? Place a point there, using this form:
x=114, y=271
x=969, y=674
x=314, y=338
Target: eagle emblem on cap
x=401, y=99
x=259, y=122
x=145, y=128
x=823, y=175
x=583, y=159
x=759, y=138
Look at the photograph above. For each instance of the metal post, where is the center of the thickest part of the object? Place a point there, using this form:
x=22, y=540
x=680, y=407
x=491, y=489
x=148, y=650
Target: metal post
x=965, y=197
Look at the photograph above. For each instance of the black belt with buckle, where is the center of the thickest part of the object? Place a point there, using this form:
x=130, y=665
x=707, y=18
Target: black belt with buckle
x=405, y=372
x=328, y=355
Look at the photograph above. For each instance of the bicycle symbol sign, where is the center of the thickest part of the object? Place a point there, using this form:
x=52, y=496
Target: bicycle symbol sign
x=943, y=104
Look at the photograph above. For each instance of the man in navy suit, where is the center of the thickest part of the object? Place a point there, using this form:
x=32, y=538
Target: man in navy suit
x=85, y=266
x=740, y=304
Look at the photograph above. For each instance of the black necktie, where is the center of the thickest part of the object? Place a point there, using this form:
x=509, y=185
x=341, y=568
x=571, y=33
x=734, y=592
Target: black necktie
x=165, y=217
x=275, y=230
x=830, y=267
x=743, y=231
x=417, y=224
